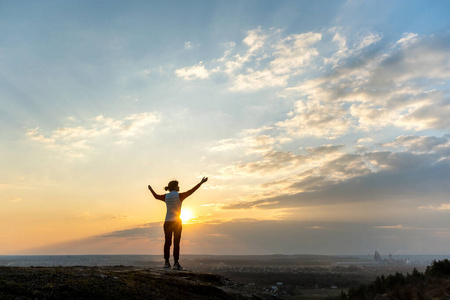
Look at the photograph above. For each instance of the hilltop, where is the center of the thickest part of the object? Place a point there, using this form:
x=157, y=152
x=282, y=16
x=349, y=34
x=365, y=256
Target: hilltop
x=118, y=282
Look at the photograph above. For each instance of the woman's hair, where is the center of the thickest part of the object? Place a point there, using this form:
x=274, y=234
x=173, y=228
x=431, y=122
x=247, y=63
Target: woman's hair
x=172, y=186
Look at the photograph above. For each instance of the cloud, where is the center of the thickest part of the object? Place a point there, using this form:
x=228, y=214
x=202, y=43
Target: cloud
x=273, y=161
x=407, y=39
x=87, y=215
x=128, y=126
x=315, y=227
x=250, y=142
x=255, y=80
x=374, y=176
x=149, y=230
x=444, y=206
x=8, y=198
x=118, y=218
x=265, y=160
x=371, y=84
x=401, y=85
x=359, y=91
x=294, y=53
x=266, y=60
x=283, y=58
x=343, y=52
x=229, y=63
x=421, y=57
x=194, y=72
x=254, y=237
x=390, y=227
x=371, y=116
x=431, y=114
x=441, y=207
x=315, y=119
x=255, y=40
x=35, y=135
x=420, y=144
x=73, y=141
x=324, y=149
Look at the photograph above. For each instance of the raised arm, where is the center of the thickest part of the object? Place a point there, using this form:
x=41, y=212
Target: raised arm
x=159, y=197
x=191, y=191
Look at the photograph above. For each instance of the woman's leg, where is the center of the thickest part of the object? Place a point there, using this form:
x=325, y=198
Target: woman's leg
x=168, y=229
x=177, y=228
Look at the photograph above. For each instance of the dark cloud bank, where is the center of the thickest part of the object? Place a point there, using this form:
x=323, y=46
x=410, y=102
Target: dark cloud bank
x=420, y=179
x=264, y=237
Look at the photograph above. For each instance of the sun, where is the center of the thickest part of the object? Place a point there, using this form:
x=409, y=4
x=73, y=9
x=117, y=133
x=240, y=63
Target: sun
x=186, y=214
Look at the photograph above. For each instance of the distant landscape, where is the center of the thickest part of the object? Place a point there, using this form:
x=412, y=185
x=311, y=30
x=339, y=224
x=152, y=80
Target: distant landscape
x=286, y=276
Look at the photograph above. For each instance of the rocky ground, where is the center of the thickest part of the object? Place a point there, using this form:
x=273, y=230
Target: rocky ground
x=117, y=282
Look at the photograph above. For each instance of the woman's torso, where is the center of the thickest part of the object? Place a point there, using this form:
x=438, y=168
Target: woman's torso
x=173, y=204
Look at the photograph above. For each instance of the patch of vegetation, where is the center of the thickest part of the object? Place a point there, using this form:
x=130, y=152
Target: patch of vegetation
x=434, y=283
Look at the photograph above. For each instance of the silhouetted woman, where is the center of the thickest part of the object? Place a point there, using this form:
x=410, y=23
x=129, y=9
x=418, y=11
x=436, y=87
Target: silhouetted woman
x=172, y=223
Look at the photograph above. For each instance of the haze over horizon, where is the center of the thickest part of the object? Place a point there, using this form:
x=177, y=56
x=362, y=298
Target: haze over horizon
x=323, y=126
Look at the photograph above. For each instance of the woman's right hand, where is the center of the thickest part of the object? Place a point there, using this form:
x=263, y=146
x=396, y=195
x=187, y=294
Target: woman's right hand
x=204, y=179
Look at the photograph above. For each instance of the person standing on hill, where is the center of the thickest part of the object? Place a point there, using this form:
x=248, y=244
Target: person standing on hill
x=172, y=223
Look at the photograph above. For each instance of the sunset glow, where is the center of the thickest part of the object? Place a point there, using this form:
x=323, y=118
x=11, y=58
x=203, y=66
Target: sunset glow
x=186, y=215
x=323, y=126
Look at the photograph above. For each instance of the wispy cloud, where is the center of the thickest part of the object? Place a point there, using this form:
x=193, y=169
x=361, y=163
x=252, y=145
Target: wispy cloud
x=255, y=80
x=146, y=230
x=12, y=199
x=420, y=144
x=194, y=72
x=269, y=60
x=315, y=227
x=293, y=54
x=316, y=119
x=390, y=227
x=73, y=141
x=343, y=52
x=249, y=143
x=443, y=206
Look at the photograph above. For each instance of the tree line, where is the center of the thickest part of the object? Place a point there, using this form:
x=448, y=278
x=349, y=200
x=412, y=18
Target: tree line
x=401, y=286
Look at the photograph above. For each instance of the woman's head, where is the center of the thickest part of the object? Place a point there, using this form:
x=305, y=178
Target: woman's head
x=172, y=186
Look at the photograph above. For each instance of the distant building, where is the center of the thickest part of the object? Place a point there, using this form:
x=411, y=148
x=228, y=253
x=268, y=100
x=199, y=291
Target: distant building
x=377, y=256
x=279, y=283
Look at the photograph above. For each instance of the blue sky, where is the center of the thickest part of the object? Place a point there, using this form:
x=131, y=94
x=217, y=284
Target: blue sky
x=316, y=116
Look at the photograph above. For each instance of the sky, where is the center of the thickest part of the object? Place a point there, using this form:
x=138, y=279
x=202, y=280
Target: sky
x=323, y=126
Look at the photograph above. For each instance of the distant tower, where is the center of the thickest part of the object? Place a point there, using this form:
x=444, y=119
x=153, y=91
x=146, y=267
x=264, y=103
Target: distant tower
x=377, y=256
